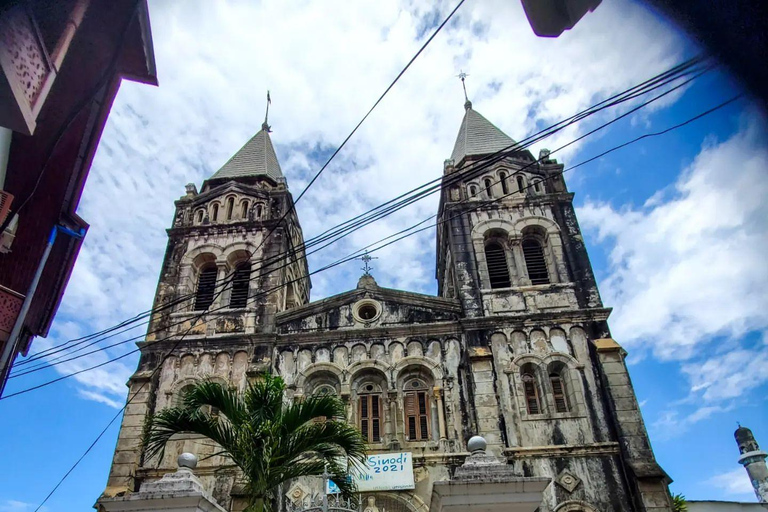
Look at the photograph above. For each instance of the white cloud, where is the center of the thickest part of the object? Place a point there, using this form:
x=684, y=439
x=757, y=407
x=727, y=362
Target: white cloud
x=99, y=397
x=688, y=279
x=735, y=482
x=15, y=506
x=325, y=64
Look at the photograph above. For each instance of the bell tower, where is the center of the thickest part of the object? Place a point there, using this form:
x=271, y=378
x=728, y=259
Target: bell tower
x=234, y=260
x=753, y=460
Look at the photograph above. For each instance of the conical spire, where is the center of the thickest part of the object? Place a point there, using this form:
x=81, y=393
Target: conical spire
x=256, y=158
x=478, y=136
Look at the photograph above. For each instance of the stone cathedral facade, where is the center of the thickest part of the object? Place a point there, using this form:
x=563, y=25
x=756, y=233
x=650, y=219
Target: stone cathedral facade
x=515, y=347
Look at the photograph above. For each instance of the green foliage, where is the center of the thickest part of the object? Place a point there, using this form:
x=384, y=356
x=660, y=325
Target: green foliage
x=678, y=503
x=270, y=440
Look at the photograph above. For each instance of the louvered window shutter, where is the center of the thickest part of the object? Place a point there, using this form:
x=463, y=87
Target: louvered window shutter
x=535, y=262
x=558, y=390
x=364, y=420
x=375, y=419
x=206, y=287
x=411, y=413
x=531, y=394
x=496, y=259
x=240, y=284
x=423, y=416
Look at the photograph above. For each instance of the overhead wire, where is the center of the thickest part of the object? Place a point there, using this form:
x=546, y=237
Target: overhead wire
x=475, y=168
x=354, y=254
x=348, y=225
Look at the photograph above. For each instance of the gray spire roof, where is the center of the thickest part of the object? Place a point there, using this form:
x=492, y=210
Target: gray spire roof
x=256, y=158
x=478, y=136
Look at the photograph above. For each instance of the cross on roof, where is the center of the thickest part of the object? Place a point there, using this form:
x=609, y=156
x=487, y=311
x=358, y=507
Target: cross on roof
x=462, y=76
x=366, y=258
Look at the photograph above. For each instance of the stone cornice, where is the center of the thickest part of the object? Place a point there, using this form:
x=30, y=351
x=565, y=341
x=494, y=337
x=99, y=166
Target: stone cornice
x=525, y=318
x=581, y=450
x=356, y=333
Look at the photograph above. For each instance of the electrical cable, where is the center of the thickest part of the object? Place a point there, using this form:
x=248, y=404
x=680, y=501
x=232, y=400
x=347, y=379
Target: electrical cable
x=461, y=177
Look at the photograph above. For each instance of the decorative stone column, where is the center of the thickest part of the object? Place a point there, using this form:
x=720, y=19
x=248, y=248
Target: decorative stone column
x=175, y=492
x=440, y=412
x=486, y=484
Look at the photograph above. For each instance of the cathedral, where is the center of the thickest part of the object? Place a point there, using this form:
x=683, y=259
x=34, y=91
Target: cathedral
x=514, y=348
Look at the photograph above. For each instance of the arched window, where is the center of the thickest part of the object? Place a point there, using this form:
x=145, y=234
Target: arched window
x=259, y=211
x=559, y=392
x=206, y=286
x=416, y=411
x=520, y=183
x=472, y=191
x=200, y=216
x=244, y=210
x=369, y=412
x=240, y=281
x=535, y=262
x=537, y=186
x=504, y=184
x=215, y=213
x=230, y=207
x=496, y=259
x=531, y=390
x=488, y=184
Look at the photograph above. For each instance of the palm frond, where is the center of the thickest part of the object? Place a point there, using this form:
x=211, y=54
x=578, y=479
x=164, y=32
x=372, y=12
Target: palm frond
x=214, y=394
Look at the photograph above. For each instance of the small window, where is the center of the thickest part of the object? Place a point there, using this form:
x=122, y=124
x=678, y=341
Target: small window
x=537, y=186
x=370, y=416
x=472, y=191
x=535, y=262
x=367, y=311
x=417, y=413
x=230, y=207
x=200, y=216
x=244, y=210
x=504, y=184
x=215, y=213
x=520, y=183
x=240, y=283
x=531, y=394
x=488, y=187
x=496, y=259
x=558, y=392
x=259, y=211
x=206, y=287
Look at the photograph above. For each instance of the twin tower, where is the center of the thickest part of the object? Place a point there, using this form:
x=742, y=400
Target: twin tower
x=515, y=347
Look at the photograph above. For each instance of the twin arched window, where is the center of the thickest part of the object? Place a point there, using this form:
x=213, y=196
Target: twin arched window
x=532, y=394
x=498, y=272
x=206, y=286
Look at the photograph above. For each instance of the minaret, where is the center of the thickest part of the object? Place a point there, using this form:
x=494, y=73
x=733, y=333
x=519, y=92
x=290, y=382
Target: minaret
x=753, y=460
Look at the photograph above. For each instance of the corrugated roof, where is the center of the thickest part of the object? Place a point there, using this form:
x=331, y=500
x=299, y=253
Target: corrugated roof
x=256, y=158
x=478, y=136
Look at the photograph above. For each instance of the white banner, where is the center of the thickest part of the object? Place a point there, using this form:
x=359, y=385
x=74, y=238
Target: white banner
x=384, y=472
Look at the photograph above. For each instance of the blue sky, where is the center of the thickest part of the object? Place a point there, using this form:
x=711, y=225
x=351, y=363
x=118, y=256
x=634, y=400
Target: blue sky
x=675, y=225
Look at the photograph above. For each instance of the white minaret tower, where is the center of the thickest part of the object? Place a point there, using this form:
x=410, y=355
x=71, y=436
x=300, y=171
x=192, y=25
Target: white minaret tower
x=753, y=460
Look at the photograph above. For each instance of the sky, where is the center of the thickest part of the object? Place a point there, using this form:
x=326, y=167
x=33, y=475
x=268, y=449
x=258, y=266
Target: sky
x=676, y=225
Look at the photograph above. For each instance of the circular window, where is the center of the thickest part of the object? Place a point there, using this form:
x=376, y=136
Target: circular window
x=366, y=311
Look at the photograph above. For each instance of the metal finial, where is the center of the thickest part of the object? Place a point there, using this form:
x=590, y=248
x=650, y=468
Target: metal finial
x=366, y=260
x=462, y=76
x=265, y=126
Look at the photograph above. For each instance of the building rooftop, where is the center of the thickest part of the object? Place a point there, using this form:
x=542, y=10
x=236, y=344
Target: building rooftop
x=256, y=158
x=478, y=136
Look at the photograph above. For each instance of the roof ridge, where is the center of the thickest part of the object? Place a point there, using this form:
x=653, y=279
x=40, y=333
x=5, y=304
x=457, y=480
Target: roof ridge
x=478, y=136
x=256, y=157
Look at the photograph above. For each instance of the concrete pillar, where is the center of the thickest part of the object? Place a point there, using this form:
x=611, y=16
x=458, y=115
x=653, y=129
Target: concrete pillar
x=440, y=412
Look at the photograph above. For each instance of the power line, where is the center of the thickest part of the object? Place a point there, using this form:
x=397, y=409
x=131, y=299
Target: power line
x=344, y=142
x=353, y=255
x=475, y=168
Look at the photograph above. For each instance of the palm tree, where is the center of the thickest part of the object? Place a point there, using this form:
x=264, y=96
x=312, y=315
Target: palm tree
x=678, y=503
x=270, y=440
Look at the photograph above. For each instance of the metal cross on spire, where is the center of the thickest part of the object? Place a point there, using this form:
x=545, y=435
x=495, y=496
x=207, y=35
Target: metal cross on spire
x=462, y=76
x=366, y=258
x=265, y=126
